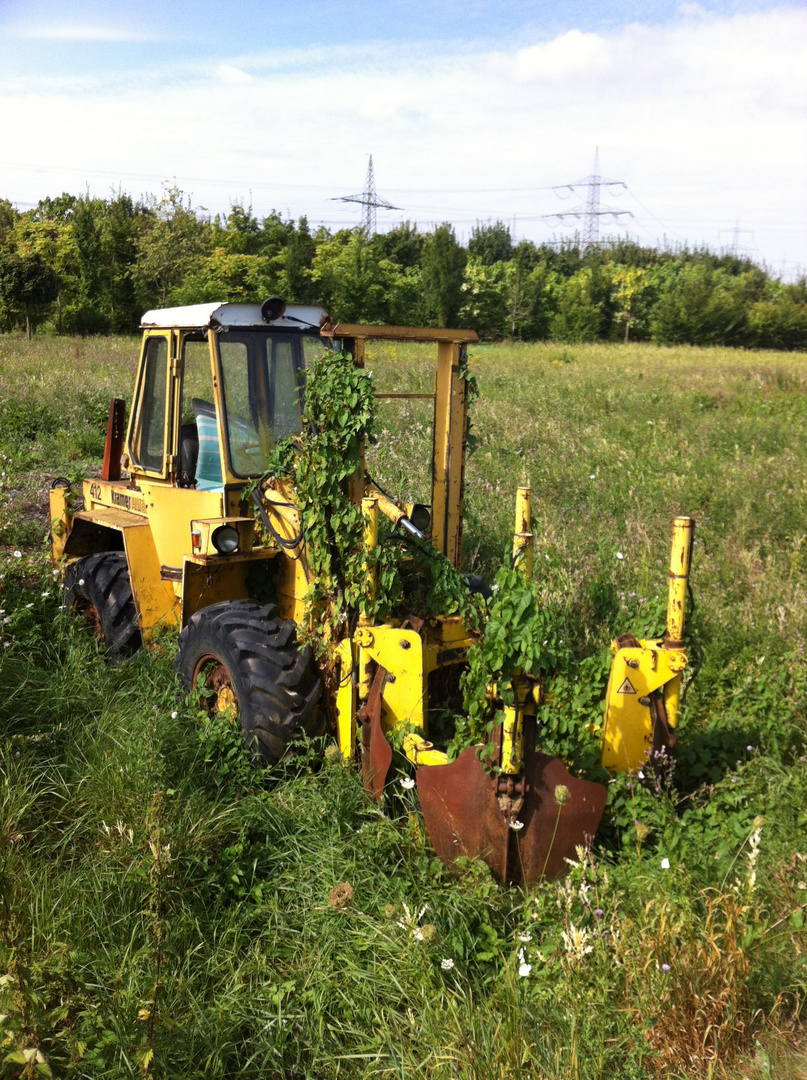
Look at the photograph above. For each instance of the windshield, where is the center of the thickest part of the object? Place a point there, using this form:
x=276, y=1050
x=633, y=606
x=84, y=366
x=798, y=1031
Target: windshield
x=262, y=382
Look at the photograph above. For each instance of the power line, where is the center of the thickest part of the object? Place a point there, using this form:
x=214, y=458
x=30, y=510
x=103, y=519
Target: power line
x=369, y=200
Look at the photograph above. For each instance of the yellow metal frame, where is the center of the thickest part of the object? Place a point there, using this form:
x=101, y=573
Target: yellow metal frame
x=639, y=671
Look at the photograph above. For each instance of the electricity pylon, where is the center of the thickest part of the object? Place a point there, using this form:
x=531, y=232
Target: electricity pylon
x=591, y=212
x=369, y=200
x=735, y=246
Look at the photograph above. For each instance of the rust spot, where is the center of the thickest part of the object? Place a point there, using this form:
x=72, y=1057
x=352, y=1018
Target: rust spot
x=376, y=752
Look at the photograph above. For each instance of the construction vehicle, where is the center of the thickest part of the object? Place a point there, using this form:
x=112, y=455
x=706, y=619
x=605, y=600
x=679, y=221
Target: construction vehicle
x=174, y=543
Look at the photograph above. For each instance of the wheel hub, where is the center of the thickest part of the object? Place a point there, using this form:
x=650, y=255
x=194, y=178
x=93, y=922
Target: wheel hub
x=213, y=676
x=88, y=611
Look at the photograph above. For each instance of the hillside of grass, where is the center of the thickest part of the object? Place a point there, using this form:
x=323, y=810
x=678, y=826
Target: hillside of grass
x=167, y=910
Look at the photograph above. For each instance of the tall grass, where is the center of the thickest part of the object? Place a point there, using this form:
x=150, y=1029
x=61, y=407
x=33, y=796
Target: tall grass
x=165, y=909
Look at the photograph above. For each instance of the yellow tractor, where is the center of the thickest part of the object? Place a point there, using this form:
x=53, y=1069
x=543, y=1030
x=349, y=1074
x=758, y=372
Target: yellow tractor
x=167, y=537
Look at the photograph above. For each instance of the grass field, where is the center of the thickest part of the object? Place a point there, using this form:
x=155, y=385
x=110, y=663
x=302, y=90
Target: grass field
x=166, y=909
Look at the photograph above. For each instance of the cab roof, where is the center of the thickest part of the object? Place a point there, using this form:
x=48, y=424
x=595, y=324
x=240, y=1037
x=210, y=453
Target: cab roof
x=204, y=316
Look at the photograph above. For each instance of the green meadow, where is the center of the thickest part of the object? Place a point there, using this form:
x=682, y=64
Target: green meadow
x=166, y=910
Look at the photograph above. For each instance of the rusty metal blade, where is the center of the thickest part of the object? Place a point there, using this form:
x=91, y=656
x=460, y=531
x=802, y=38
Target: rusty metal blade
x=463, y=815
x=376, y=752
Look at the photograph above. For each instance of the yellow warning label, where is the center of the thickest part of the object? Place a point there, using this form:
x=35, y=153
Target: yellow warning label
x=627, y=687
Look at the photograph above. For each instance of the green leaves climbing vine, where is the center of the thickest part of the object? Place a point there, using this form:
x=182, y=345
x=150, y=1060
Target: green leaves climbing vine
x=338, y=418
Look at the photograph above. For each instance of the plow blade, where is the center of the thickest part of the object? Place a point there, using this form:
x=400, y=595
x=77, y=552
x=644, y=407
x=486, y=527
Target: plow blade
x=376, y=752
x=471, y=812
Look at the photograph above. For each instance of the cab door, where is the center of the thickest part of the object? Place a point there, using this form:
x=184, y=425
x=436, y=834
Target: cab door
x=152, y=412
x=193, y=461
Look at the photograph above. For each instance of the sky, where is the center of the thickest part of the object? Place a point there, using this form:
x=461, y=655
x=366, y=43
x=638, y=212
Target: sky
x=472, y=111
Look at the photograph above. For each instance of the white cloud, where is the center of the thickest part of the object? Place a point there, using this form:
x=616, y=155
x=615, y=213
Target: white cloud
x=570, y=55
x=232, y=75
x=705, y=119
x=89, y=32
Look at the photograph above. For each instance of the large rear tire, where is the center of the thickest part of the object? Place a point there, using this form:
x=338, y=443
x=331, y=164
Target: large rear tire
x=247, y=658
x=97, y=589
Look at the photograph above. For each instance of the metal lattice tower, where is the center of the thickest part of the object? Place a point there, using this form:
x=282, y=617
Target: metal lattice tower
x=735, y=232
x=592, y=211
x=369, y=200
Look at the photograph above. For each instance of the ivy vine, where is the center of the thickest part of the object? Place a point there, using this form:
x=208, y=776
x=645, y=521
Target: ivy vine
x=339, y=417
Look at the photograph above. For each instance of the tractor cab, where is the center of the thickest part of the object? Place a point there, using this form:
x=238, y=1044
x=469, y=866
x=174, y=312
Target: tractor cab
x=218, y=385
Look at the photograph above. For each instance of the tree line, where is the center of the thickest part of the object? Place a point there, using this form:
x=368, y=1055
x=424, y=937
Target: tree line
x=82, y=265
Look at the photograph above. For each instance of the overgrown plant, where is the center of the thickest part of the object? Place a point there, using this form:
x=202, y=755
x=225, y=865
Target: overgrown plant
x=524, y=636
x=339, y=418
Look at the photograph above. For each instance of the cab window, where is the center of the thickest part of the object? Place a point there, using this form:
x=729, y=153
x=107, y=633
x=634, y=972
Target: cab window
x=199, y=450
x=148, y=443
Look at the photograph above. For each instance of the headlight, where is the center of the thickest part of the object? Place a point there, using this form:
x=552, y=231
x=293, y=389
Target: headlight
x=421, y=517
x=225, y=539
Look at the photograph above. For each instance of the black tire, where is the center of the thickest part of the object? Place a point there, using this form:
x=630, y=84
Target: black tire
x=248, y=656
x=98, y=590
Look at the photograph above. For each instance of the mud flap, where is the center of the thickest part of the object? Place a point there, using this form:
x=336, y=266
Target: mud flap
x=466, y=810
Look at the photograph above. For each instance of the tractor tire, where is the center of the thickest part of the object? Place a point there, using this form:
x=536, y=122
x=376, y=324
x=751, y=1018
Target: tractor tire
x=248, y=657
x=97, y=589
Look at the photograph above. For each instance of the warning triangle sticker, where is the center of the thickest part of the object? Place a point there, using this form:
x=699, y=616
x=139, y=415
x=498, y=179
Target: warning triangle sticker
x=627, y=687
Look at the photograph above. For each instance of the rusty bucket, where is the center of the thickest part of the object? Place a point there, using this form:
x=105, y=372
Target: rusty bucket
x=524, y=827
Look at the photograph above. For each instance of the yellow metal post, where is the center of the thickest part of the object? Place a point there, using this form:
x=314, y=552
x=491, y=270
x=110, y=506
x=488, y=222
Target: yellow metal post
x=448, y=465
x=369, y=509
x=61, y=520
x=679, y=576
x=522, y=537
x=346, y=700
x=513, y=723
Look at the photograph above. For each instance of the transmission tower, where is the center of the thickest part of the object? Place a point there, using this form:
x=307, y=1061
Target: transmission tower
x=735, y=244
x=591, y=212
x=369, y=200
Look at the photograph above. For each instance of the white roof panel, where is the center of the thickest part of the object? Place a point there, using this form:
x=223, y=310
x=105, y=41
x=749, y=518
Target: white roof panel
x=295, y=317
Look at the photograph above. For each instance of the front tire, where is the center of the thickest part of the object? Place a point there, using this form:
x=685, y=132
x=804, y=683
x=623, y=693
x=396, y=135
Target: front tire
x=245, y=656
x=97, y=589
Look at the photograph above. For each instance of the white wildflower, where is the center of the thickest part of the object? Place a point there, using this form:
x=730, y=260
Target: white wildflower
x=407, y=783
x=620, y=556
x=753, y=852
x=17, y=554
x=81, y=581
x=577, y=942
x=524, y=968
x=29, y=605
x=665, y=864
x=410, y=921
x=447, y=964
x=525, y=937
x=516, y=826
x=174, y=714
